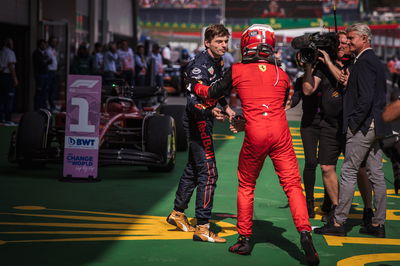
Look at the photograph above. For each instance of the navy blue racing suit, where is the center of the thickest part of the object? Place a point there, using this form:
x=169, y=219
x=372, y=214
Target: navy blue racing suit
x=201, y=170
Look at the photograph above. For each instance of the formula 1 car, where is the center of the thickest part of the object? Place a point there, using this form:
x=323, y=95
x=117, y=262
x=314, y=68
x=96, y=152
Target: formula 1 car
x=128, y=135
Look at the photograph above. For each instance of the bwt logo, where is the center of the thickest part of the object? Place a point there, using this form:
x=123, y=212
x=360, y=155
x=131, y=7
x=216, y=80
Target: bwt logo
x=84, y=83
x=81, y=143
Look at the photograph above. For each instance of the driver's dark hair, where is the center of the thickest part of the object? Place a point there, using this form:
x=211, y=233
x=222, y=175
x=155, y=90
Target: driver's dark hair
x=216, y=30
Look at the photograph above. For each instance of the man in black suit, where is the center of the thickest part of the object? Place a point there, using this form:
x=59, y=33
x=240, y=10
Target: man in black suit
x=363, y=104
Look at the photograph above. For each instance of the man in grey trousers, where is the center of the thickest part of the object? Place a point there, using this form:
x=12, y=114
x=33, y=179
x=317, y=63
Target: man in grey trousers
x=363, y=104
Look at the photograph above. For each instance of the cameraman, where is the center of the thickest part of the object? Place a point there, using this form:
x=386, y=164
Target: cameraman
x=328, y=78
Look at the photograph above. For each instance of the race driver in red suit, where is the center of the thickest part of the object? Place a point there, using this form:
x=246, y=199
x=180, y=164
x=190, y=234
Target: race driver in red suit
x=263, y=87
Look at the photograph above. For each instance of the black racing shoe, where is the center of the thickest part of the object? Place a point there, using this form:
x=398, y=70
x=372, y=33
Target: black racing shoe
x=309, y=249
x=378, y=231
x=242, y=246
x=331, y=229
x=368, y=213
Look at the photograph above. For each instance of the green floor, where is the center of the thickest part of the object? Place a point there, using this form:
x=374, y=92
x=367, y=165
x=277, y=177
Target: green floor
x=120, y=220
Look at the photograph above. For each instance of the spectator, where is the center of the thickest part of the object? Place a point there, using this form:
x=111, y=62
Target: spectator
x=8, y=81
x=392, y=70
x=41, y=61
x=364, y=100
x=98, y=59
x=82, y=62
x=154, y=61
x=166, y=55
x=111, y=63
x=140, y=65
x=397, y=71
x=52, y=75
x=127, y=63
x=183, y=60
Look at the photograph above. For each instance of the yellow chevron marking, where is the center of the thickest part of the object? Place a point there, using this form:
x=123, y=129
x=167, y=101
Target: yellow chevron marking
x=362, y=260
x=119, y=226
x=340, y=240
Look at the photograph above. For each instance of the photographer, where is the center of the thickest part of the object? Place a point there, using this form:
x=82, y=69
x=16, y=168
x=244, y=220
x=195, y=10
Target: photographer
x=318, y=78
x=324, y=79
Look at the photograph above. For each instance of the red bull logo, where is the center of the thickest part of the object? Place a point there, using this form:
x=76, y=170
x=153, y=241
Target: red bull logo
x=205, y=139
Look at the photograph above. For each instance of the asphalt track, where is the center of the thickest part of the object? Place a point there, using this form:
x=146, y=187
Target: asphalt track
x=121, y=220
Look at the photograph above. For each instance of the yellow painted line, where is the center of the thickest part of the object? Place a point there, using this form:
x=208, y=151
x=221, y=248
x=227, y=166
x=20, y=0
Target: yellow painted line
x=80, y=232
x=74, y=225
x=361, y=260
x=340, y=240
x=87, y=218
x=107, y=213
x=223, y=137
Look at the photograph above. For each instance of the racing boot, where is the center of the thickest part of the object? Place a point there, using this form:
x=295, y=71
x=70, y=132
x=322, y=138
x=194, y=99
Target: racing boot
x=180, y=220
x=309, y=249
x=203, y=233
x=242, y=246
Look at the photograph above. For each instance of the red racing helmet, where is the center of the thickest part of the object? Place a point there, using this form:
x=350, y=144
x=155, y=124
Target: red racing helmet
x=257, y=42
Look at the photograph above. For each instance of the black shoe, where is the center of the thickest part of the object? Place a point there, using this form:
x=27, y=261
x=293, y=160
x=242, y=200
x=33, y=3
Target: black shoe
x=367, y=216
x=310, y=208
x=378, y=231
x=242, y=246
x=331, y=229
x=308, y=247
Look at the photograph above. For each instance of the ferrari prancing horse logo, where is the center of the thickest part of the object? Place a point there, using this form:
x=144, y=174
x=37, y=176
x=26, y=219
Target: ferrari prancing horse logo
x=262, y=67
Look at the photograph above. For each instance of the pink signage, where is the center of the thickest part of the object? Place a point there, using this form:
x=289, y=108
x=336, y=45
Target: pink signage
x=81, y=149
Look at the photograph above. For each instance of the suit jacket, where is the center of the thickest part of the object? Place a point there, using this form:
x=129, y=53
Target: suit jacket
x=365, y=96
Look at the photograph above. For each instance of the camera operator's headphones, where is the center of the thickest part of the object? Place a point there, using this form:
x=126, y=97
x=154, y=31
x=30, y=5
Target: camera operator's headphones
x=257, y=43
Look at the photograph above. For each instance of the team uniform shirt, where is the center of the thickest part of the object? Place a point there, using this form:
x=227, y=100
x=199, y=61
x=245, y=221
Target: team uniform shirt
x=98, y=62
x=126, y=59
x=111, y=61
x=7, y=56
x=52, y=53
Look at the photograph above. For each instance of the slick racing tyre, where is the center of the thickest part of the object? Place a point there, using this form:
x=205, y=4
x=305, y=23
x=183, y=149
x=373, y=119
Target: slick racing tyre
x=177, y=111
x=31, y=137
x=160, y=138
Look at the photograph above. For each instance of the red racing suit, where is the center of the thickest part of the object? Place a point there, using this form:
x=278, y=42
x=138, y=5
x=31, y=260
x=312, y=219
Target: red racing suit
x=262, y=89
